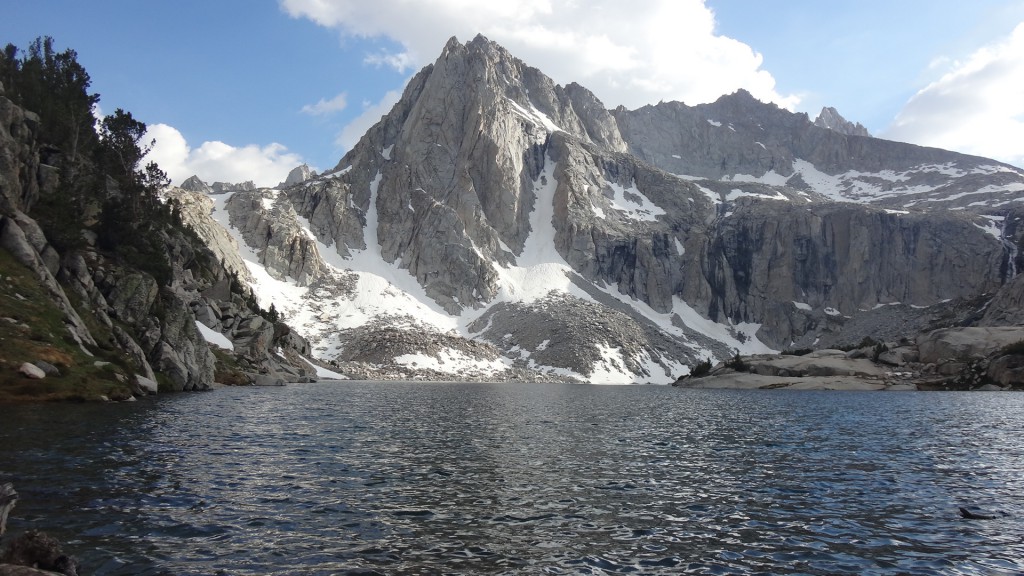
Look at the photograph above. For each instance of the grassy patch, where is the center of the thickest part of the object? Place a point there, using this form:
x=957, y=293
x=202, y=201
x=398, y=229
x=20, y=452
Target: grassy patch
x=226, y=369
x=32, y=328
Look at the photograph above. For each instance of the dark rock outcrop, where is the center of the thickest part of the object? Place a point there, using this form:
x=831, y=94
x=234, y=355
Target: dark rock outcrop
x=39, y=550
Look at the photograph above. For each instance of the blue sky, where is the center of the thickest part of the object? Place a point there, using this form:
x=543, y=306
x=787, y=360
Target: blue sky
x=245, y=90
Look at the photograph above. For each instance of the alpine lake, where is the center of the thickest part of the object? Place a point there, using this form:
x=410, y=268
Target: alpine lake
x=450, y=478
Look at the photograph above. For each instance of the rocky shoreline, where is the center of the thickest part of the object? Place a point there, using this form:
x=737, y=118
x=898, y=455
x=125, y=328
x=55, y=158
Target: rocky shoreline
x=974, y=358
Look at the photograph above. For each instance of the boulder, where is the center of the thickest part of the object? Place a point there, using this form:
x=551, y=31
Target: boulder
x=1007, y=370
x=207, y=315
x=169, y=362
x=962, y=344
x=40, y=550
x=146, y=385
x=951, y=368
x=47, y=368
x=818, y=363
x=32, y=371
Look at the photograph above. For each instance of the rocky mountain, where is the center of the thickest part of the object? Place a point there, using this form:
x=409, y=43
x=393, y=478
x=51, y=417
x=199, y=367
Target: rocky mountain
x=495, y=225
x=298, y=175
x=84, y=318
x=830, y=118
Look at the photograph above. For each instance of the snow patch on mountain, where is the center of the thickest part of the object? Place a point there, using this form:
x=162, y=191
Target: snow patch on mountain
x=907, y=187
x=611, y=368
x=539, y=268
x=737, y=193
x=534, y=116
x=993, y=226
x=451, y=361
x=771, y=178
x=633, y=204
x=214, y=337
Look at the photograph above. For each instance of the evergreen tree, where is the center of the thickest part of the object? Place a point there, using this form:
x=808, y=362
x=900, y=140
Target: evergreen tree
x=120, y=155
x=102, y=176
x=55, y=86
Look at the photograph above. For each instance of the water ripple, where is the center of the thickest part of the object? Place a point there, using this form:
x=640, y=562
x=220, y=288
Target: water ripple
x=392, y=478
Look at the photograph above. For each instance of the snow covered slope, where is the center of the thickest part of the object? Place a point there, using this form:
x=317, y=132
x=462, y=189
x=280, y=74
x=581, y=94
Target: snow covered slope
x=496, y=226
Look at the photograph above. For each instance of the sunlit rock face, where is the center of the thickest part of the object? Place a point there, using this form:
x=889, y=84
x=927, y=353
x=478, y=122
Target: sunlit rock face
x=493, y=206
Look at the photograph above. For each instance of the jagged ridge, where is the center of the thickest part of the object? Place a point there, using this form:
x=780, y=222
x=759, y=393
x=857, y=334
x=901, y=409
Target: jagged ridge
x=488, y=193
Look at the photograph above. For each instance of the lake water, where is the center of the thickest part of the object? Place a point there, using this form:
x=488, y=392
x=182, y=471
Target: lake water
x=402, y=478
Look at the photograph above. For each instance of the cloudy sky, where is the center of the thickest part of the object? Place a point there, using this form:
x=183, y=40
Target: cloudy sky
x=237, y=90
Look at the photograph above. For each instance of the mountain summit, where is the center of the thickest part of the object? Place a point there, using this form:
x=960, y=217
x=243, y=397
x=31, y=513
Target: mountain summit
x=495, y=225
x=830, y=118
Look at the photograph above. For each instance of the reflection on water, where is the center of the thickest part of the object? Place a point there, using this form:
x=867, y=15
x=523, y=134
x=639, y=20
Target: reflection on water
x=397, y=478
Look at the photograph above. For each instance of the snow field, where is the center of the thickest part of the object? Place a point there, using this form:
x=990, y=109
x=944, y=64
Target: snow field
x=384, y=290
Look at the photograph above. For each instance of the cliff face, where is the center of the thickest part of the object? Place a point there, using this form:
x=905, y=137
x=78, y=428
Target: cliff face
x=124, y=330
x=492, y=205
x=22, y=171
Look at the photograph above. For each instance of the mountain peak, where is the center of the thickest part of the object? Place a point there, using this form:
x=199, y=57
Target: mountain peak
x=494, y=214
x=452, y=44
x=831, y=119
x=481, y=39
x=298, y=175
x=194, y=184
x=740, y=94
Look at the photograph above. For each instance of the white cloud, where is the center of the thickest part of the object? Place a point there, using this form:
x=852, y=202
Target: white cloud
x=401, y=62
x=976, y=108
x=627, y=53
x=372, y=113
x=219, y=162
x=325, y=107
